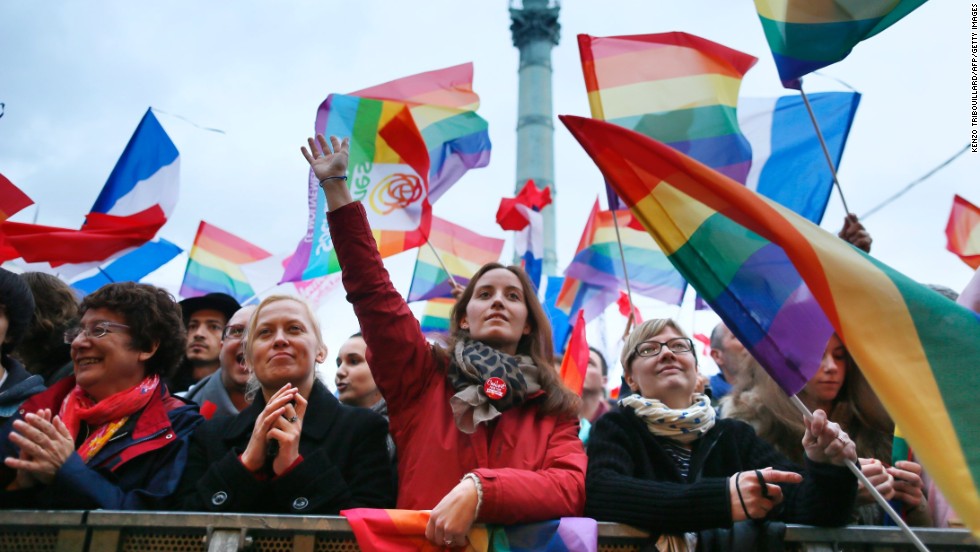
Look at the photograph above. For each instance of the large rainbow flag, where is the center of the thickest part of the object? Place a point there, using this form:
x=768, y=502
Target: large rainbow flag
x=675, y=87
x=388, y=172
x=806, y=35
x=462, y=250
x=601, y=264
x=443, y=104
x=380, y=530
x=214, y=264
x=963, y=231
x=782, y=285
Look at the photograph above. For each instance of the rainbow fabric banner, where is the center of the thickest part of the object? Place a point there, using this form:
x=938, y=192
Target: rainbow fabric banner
x=443, y=104
x=576, y=359
x=675, y=87
x=379, y=530
x=435, y=317
x=963, y=231
x=576, y=295
x=782, y=285
x=388, y=172
x=600, y=263
x=214, y=262
x=463, y=251
x=806, y=35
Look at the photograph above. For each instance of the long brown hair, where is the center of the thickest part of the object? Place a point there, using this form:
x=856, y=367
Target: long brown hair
x=536, y=344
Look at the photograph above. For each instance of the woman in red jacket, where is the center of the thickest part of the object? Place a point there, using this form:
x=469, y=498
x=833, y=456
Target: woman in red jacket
x=485, y=430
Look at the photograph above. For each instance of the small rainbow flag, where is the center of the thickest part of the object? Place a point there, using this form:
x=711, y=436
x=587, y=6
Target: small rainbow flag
x=806, y=35
x=463, y=251
x=963, y=231
x=600, y=263
x=782, y=285
x=675, y=87
x=214, y=264
x=388, y=172
x=380, y=530
x=443, y=104
x=576, y=359
x=435, y=317
x=576, y=295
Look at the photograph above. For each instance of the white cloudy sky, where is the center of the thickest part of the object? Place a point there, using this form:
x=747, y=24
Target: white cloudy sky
x=76, y=78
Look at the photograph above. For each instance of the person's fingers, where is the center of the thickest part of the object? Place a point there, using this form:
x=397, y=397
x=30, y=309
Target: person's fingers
x=779, y=476
x=775, y=493
x=335, y=144
x=301, y=404
x=324, y=146
x=314, y=150
x=345, y=144
x=42, y=425
x=61, y=427
x=306, y=154
x=909, y=466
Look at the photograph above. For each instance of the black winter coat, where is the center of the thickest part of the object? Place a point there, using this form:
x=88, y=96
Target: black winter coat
x=344, y=464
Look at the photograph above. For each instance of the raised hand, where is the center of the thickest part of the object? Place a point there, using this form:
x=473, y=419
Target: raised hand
x=825, y=442
x=755, y=493
x=855, y=234
x=327, y=160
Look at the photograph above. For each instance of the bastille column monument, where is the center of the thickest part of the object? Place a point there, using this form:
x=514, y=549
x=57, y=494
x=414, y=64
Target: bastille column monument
x=534, y=30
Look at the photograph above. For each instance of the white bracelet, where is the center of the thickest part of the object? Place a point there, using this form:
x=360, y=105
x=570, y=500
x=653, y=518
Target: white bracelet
x=479, y=491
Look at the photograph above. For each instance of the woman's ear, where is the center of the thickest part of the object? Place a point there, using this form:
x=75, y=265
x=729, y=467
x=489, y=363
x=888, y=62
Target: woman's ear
x=147, y=355
x=321, y=355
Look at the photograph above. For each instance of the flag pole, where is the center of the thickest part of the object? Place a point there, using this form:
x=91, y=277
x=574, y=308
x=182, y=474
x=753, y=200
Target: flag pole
x=826, y=152
x=626, y=276
x=867, y=485
x=442, y=264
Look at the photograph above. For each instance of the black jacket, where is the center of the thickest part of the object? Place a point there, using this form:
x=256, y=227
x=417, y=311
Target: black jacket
x=345, y=464
x=631, y=479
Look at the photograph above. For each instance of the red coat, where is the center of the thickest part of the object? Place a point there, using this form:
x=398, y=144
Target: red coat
x=532, y=466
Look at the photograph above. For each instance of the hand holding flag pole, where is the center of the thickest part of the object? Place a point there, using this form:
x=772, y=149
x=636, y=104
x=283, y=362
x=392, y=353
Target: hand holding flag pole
x=851, y=465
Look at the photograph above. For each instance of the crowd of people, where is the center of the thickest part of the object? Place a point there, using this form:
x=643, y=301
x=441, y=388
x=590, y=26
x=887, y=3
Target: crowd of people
x=131, y=400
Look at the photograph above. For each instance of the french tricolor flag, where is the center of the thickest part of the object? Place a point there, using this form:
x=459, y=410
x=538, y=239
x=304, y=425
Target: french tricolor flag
x=134, y=204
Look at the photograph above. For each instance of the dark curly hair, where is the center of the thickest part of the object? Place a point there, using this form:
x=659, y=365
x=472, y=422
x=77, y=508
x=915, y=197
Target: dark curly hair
x=153, y=317
x=55, y=310
x=17, y=304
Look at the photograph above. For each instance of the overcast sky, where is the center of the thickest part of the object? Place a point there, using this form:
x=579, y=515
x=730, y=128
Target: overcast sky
x=76, y=78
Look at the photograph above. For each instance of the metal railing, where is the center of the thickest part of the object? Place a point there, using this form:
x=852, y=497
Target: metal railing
x=109, y=531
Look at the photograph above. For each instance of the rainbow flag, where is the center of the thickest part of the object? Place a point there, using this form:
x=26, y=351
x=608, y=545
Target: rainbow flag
x=214, y=262
x=576, y=359
x=575, y=294
x=782, y=285
x=963, y=231
x=380, y=530
x=600, y=263
x=806, y=35
x=388, y=172
x=675, y=87
x=443, y=104
x=463, y=251
x=435, y=317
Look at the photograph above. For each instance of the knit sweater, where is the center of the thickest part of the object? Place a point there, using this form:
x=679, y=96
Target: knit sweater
x=632, y=479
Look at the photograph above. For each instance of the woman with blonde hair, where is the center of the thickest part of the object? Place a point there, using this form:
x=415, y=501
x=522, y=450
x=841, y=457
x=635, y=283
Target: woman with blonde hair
x=485, y=430
x=295, y=449
x=664, y=463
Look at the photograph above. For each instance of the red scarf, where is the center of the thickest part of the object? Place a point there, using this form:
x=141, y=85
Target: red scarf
x=105, y=416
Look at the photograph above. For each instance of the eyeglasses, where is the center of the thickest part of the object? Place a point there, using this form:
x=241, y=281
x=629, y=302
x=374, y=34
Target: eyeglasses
x=677, y=345
x=233, y=332
x=99, y=329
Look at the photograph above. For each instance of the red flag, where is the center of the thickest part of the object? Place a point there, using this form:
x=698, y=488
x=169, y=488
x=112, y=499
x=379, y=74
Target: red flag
x=509, y=217
x=963, y=231
x=576, y=360
x=101, y=236
x=624, y=308
x=12, y=200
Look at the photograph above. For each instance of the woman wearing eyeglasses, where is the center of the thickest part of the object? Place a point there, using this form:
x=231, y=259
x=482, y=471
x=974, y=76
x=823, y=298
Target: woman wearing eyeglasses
x=664, y=463
x=110, y=436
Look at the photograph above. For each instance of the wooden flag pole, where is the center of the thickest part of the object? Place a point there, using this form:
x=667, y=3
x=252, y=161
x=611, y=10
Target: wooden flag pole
x=442, y=264
x=626, y=276
x=867, y=485
x=826, y=152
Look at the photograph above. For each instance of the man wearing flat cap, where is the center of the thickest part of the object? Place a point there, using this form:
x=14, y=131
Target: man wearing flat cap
x=205, y=318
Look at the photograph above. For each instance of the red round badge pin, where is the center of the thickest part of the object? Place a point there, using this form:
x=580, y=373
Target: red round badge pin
x=495, y=388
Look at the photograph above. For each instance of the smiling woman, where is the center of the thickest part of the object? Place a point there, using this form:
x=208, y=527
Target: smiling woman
x=295, y=449
x=489, y=410
x=664, y=463
x=110, y=436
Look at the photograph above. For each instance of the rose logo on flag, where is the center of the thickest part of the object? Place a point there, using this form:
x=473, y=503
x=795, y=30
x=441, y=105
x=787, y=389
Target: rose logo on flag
x=396, y=191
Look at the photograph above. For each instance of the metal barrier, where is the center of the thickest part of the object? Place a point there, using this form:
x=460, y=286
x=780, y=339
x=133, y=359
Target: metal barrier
x=110, y=531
